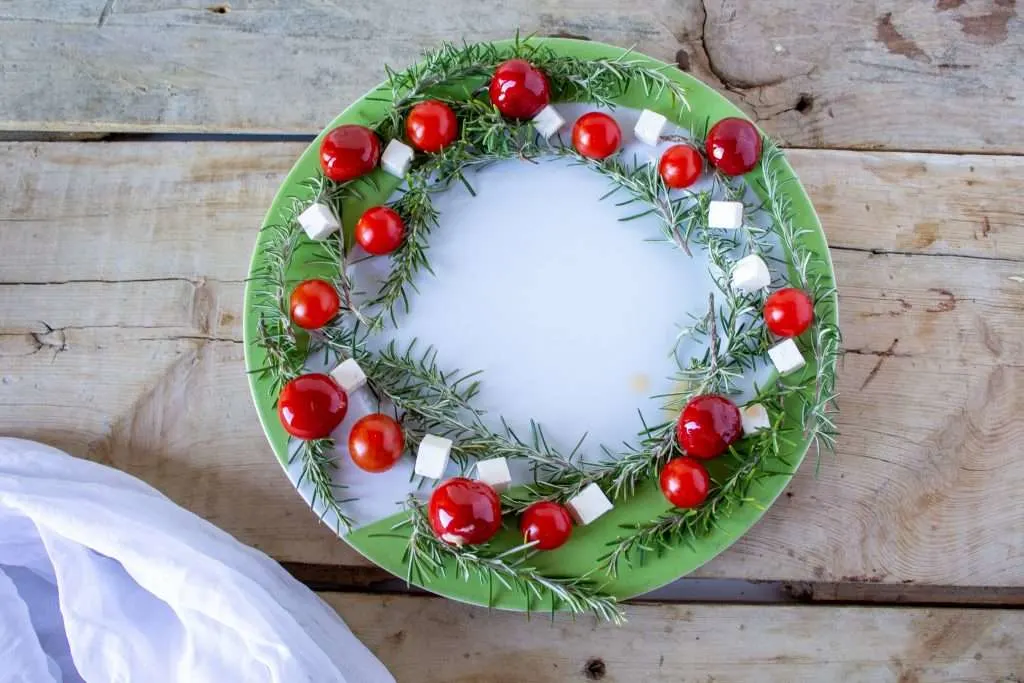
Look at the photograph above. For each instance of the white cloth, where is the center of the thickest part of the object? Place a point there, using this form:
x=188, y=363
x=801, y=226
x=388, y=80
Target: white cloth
x=105, y=580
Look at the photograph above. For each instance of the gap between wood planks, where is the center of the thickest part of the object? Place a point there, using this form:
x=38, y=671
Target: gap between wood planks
x=155, y=134
x=855, y=591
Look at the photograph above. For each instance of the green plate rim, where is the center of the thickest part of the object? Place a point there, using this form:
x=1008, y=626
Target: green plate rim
x=578, y=556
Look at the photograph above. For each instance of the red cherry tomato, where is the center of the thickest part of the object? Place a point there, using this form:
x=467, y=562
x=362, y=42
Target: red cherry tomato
x=519, y=90
x=376, y=442
x=680, y=166
x=685, y=482
x=314, y=303
x=596, y=135
x=348, y=152
x=463, y=511
x=380, y=230
x=708, y=425
x=311, y=406
x=788, y=312
x=547, y=523
x=733, y=146
x=431, y=126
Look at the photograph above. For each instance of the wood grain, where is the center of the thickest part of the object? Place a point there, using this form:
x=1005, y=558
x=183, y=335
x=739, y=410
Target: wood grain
x=817, y=74
x=121, y=269
x=428, y=639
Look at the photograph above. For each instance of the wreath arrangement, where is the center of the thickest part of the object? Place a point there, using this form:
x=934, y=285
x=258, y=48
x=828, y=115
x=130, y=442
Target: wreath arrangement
x=467, y=106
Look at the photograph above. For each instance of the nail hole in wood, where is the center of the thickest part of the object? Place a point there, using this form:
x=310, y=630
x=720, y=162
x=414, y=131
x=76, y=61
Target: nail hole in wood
x=219, y=9
x=804, y=103
x=594, y=669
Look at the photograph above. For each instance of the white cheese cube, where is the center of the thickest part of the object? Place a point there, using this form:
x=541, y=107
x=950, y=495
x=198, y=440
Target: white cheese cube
x=548, y=122
x=432, y=456
x=755, y=418
x=396, y=158
x=649, y=126
x=588, y=504
x=786, y=357
x=349, y=376
x=725, y=215
x=494, y=473
x=750, y=274
x=319, y=221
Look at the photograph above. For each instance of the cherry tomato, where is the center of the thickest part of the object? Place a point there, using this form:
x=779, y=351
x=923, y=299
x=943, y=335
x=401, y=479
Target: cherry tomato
x=314, y=303
x=519, y=90
x=311, y=406
x=463, y=511
x=680, y=166
x=348, y=152
x=380, y=230
x=685, y=482
x=547, y=523
x=431, y=126
x=708, y=425
x=733, y=146
x=596, y=135
x=376, y=442
x=788, y=312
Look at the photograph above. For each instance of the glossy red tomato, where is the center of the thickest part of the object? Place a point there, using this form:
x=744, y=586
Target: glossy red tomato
x=596, y=135
x=708, y=425
x=348, y=152
x=380, y=230
x=788, y=312
x=311, y=406
x=685, y=482
x=431, y=126
x=314, y=303
x=519, y=90
x=376, y=442
x=680, y=166
x=733, y=146
x=547, y=523
x=463, y=511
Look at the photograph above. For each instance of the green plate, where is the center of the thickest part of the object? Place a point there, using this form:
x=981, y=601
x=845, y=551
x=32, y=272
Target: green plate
x=588, y=543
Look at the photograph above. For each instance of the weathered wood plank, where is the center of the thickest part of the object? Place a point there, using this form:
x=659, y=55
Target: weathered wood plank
x=121, y=270
x=821, y=74
x=429, y=639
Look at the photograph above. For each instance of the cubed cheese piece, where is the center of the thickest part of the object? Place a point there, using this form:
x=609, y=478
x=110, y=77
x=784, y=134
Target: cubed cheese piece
x=319, y=221
x=725, y=215
x=432, y=456
x=649, y=126
x=786, y=357
x=548, y=122
x=754, y=417
x=588, y=504
x=750, y=274
x=349, y=376
x=396, y=158
x=494, y=473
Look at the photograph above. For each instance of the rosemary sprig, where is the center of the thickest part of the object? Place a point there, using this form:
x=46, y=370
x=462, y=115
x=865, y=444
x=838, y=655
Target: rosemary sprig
x=318, y=464
x=427, y=557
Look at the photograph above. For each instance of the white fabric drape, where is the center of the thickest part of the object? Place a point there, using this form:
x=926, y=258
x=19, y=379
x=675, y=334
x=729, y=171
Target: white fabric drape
x=103, y=579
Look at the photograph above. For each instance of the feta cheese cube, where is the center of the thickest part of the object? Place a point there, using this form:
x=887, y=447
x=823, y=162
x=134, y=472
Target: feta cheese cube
x=588, y=504
x=319, y=221
x=649, y=126
x=349, y=376
x=548, y=122
x=725, y=215
x=494, y=473
x=750, y=274
x=786, y=357
x=754, y=417
x=396, y=158
x=432, y=456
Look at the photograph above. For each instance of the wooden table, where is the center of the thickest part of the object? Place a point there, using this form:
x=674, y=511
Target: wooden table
x=124, y=245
